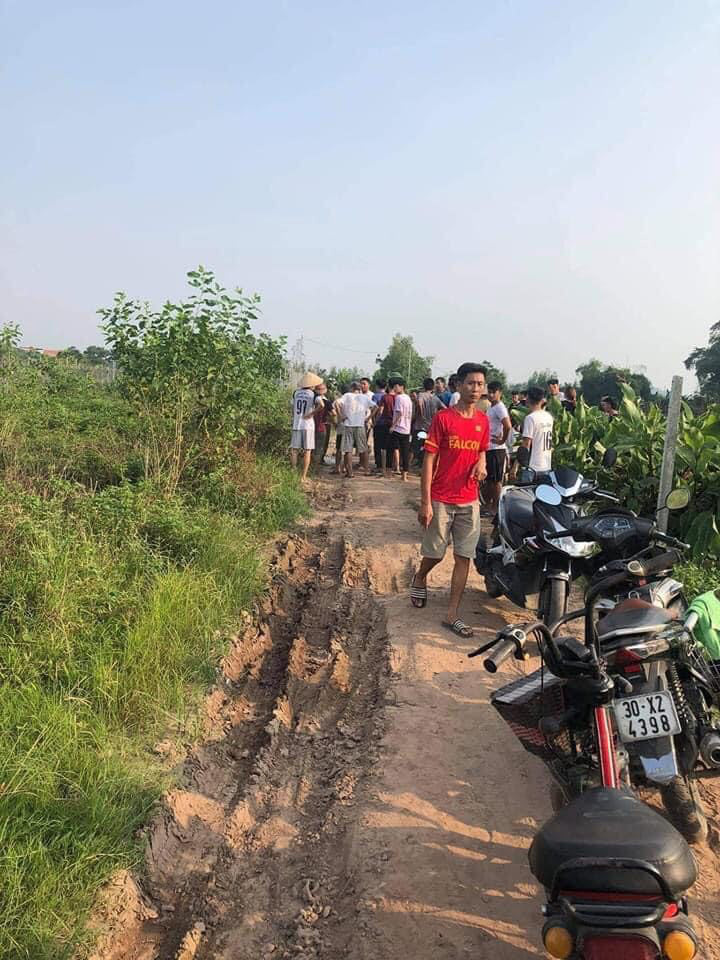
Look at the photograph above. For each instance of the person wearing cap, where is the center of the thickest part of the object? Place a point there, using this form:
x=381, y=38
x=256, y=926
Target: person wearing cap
x=302, y=438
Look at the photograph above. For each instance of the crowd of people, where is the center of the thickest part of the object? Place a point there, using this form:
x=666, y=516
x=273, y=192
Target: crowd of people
x=386, y=421
x=459, y=432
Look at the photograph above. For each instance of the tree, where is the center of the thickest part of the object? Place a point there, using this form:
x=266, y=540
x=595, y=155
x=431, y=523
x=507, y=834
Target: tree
x=705, y=361
x=9, y=340
x=402, y=358
x=199, y=361
x=494, y=373
x=97, y=355
x=598, y=379
x=70, y=353
x=539, y=378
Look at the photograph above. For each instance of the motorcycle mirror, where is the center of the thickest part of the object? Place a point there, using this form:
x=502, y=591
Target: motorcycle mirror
x=609, y=457
x=677, y=499
x=523, y=457
x=549, y=495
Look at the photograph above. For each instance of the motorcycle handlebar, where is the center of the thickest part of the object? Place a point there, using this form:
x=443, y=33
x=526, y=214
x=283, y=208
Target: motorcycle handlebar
x=671, y=541
x=646, y=568
x=499, y=655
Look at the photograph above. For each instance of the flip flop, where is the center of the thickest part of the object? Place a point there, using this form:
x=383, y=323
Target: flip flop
x=418, y=595
x=459, y=628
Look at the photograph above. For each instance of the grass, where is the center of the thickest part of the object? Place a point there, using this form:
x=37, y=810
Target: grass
x=115, y=601
x=697, y=577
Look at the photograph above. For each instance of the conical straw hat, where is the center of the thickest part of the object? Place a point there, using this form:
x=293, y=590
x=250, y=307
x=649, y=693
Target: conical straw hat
x=310, y=380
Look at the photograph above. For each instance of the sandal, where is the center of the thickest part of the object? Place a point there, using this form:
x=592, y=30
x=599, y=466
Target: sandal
x=418, y=595
x=459, y=628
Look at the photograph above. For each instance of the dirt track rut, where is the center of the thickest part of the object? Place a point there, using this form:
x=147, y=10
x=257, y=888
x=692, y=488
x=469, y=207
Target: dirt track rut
x=354, y=795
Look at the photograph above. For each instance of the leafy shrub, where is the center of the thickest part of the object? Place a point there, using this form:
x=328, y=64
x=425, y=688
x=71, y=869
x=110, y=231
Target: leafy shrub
x=638, y=434
x=197, y=370
x=129, y=542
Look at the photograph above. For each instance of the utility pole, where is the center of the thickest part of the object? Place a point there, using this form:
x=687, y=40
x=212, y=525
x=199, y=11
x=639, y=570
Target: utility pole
x=668, y=461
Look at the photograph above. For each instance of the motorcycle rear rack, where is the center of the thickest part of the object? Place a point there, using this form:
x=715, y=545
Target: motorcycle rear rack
x=641, y=914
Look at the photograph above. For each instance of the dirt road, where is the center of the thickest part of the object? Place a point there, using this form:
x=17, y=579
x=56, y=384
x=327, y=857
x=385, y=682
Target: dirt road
x=354, y=795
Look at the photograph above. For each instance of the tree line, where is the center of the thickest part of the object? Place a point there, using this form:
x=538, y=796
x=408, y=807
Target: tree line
x=594, y=379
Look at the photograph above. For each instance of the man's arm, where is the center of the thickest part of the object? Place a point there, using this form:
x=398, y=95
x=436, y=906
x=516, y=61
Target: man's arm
x=425, y=513
x=527, y=442
x=480, y=469
x=396, y=410
x=507, y=427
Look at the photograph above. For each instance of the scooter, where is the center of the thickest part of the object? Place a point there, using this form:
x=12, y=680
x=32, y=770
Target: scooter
x=527, y=557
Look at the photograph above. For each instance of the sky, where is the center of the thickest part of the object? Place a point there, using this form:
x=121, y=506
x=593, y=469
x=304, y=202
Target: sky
x=530, y=183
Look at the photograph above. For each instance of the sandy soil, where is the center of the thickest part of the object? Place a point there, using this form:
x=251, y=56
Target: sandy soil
x=355, y=794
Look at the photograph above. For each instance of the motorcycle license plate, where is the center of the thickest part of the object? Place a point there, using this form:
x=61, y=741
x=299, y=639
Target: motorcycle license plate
x=646, y=717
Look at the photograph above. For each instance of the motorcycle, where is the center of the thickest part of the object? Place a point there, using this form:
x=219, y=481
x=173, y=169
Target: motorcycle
x=667, y=691
x=615, y=873
x=526, y=557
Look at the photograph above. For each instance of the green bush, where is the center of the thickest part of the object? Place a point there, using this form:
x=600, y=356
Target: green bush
x=117, y=590
x=698, y=578
x=638, y=434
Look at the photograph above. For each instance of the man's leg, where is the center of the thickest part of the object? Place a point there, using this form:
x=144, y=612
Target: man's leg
x=389, y=452
x=363, y=450
x=379, y=446
x=307, y=457
x=338, y=451
x=434, y=543
x=347, y=446
x=293, y=457
x=426, y=565
x=457, y=586
x=405, y=454
x=493, y=485
x=465, y=527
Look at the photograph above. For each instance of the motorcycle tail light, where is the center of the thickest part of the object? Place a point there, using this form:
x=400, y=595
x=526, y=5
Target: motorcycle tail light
x=624, y=946
x=628, y=661
x=557, y=940
x=679, y=945
x=672, y=911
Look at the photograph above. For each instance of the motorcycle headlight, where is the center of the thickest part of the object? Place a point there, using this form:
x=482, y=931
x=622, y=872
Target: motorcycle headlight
x=574, y=549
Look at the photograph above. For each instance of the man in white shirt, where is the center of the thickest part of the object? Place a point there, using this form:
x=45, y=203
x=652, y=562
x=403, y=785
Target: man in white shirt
x=399, y=438
x=500, y=429
x=537, y=432
x=554, y=390
x=356, y=408
x=304, y=404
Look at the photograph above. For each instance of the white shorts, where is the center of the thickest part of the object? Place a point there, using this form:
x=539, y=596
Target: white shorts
x=302, y=440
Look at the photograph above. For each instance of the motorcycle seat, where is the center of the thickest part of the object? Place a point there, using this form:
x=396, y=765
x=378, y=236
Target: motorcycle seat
x=633, y=616
x=604, y=823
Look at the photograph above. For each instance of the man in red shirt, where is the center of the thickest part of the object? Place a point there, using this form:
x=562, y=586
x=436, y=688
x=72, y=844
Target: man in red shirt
x=453, y=467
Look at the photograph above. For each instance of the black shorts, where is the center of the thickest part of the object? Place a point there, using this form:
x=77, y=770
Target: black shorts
x=495, y=460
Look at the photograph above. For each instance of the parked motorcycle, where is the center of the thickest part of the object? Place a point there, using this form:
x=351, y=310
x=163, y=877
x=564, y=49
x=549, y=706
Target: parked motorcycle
x=615, y=873
x=666, y=689
x=526, y=557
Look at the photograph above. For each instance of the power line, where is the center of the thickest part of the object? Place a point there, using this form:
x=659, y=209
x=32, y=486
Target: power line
x=323, y=343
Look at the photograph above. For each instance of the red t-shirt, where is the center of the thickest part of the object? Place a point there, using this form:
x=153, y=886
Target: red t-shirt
x=457, y=442
x=386, y=405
